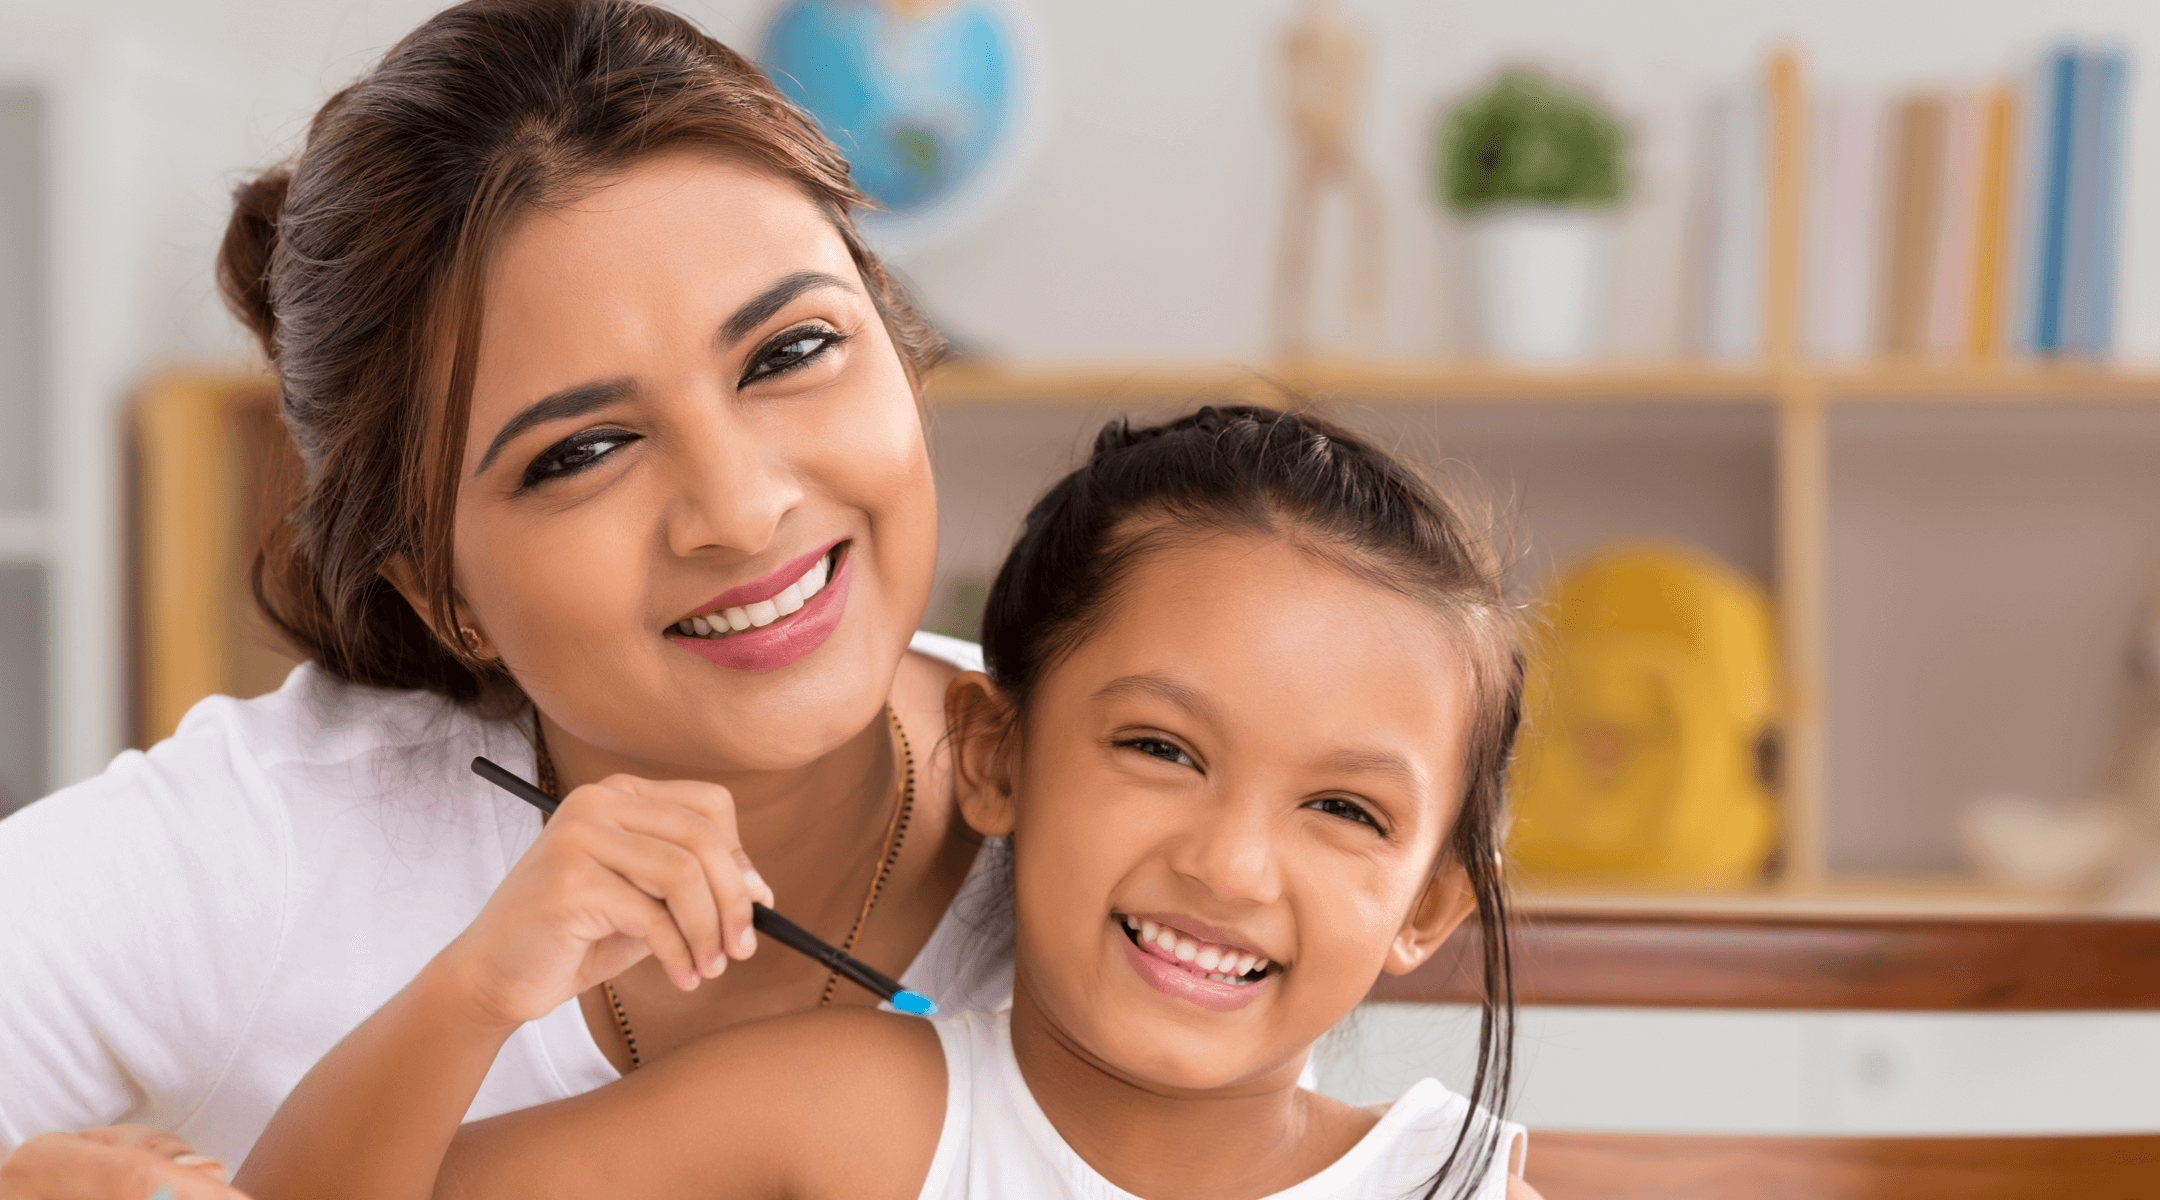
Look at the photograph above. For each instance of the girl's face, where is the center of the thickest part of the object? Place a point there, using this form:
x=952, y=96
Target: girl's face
x=1257, y=758
x=687, y=407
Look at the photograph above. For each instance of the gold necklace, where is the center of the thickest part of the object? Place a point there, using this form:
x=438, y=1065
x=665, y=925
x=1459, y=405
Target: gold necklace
x=895, y=835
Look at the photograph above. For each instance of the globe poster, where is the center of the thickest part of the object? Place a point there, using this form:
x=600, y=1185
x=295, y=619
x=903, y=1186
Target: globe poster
x=929, y=99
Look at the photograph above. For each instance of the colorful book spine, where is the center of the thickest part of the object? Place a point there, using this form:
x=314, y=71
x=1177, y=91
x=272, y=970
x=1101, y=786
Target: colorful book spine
x=1950, y=283
x=1915, y=209
x=1991, y=249
x=1732, y=311
x=2096, y=216
x=1844, y=226
x=2051, y=234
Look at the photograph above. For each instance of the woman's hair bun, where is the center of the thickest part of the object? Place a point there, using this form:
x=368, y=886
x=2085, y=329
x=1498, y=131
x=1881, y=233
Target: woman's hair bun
x=245, y=255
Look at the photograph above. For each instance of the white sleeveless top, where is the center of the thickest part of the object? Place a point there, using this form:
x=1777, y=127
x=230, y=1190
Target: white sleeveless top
x=182, y=936
x=997, y=1143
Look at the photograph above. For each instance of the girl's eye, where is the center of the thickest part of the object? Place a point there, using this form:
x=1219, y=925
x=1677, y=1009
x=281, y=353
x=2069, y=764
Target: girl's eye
x=574, y=454
x=1167, y=751
x=1348, y=810
x=790, y=350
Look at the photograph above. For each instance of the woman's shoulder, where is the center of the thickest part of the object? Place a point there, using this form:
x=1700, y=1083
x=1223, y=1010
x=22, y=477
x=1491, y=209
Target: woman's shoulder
x=957, y=653
x=241, y=773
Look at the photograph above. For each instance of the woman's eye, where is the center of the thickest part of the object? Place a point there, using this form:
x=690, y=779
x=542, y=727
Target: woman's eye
x=1336, y=806
x=1167, y=751
x=574, y=454
x=789, y=351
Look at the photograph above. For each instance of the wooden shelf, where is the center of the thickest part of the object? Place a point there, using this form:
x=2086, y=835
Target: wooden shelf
x=990, y=384
x=1916, y=896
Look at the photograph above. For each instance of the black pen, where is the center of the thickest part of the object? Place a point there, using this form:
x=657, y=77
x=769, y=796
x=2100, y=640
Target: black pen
x=767, y=922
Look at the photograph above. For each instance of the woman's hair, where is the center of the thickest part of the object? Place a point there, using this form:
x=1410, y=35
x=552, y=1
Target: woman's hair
x=360, y=268
x=1259, y=471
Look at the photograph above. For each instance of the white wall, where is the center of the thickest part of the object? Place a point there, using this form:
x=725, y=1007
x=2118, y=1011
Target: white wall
x=1141, y=232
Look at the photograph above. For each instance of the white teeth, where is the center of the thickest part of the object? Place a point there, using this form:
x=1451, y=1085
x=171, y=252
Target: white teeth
x=1148, y=930
x=1259, y=964
x=764, y=612
x=1208, y=959
x=1244, y=964
x=1167, y=940
x=1186, y=951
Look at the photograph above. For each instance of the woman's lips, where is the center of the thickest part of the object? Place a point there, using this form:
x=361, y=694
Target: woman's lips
x=787, y=640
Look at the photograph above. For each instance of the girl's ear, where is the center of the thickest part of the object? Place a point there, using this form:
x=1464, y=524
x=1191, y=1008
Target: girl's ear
x=977, y=719
x=1444, y=904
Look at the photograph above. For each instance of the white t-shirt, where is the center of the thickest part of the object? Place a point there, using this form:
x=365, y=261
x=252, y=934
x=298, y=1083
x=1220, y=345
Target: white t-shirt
x=183, y=936
x=998, y=1143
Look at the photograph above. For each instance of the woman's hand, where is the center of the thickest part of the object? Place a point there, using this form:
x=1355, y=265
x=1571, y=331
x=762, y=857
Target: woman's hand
x=625, y=868
x=117, y=1162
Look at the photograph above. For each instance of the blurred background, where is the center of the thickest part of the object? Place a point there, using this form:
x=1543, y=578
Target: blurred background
x=1805, y=358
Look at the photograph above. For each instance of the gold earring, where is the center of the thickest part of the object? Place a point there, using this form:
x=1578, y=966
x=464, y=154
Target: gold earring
x=470, y=639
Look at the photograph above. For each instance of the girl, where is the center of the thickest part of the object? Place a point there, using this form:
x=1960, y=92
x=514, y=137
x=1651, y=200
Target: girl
x=614, y=468
x=1251, y=693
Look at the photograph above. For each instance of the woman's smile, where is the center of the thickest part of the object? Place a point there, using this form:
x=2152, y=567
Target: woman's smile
x=772, y=621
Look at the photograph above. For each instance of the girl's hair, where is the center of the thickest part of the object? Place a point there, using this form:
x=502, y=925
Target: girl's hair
x=360, y=268
x=1257, y=470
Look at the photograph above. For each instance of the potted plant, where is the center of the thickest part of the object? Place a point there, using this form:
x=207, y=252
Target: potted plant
x=1535, y=169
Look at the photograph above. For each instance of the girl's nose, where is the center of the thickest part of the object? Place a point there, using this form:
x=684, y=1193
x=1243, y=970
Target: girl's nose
x=1230, y=850
x=734, y=484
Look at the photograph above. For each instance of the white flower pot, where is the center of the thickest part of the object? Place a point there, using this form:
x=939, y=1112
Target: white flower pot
x=1537, y=276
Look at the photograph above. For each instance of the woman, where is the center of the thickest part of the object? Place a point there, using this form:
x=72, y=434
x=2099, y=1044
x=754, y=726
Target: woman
x=615, y=475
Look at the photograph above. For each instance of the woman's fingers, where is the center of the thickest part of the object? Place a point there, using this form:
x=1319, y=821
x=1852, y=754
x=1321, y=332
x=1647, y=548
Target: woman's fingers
x=701, y=818
x=666, y=903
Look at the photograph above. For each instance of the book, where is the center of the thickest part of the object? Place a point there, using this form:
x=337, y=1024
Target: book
x=1950, y=273
x=2095, y=201
x=1844, y=225
x=1738, y=167
x=2057, y=90
x=1992, y=249
x=1914, y=212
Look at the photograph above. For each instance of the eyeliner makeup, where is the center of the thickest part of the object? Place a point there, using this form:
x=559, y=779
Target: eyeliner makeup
x=766, y=921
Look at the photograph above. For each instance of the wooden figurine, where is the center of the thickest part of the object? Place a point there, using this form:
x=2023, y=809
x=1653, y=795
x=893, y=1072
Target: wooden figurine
x=1324, y=62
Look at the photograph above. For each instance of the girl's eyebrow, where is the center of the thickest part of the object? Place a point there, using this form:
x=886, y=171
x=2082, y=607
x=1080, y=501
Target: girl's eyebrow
x=1161, y=687
x=1374, y=762
x=573, y=401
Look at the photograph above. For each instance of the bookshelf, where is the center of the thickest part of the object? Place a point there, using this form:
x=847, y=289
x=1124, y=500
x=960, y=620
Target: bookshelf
x=1803, y=401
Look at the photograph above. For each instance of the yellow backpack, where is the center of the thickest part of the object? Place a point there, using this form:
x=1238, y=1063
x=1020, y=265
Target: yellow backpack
x=1646, y=723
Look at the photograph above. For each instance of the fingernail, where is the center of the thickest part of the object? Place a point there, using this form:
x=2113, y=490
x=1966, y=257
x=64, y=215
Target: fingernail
x=756, y=883
x=746, y=941
x=201, y=1162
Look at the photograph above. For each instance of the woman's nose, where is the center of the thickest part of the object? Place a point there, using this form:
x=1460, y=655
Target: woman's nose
x=735, y=482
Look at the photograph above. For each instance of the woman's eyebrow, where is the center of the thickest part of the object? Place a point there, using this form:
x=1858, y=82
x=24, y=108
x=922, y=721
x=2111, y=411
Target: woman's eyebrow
x=760, y=308
x=570, y=402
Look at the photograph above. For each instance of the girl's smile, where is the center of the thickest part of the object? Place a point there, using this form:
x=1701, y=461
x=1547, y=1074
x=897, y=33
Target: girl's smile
x=1216, y=976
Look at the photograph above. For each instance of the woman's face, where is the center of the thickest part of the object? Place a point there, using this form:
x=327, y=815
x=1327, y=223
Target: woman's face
x=1228, y=808
x=687, y=407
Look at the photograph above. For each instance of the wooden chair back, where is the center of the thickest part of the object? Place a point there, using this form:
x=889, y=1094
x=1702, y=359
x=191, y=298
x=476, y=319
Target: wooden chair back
x=1823, y=962
x=211, y=469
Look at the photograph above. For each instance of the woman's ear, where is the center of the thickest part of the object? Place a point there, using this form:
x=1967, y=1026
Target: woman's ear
x=977, y=719
x=401, y=575
x=1445, y=903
